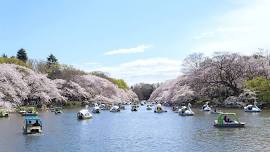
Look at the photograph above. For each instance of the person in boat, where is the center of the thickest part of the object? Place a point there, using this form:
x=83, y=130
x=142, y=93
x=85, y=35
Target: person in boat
x=36, y=123
x=183, y=111
x=225, y=118
x=228, y=120
x=204, y=106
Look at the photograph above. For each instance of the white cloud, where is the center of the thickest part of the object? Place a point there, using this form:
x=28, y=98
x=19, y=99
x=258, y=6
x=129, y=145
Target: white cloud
x=243, y=30
x=150, y=70
x=204, y=35
x=86, y=65
x=137, y=49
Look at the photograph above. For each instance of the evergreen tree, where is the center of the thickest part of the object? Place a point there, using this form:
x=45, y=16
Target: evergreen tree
x=51, y=60
x=53, y=68
x=22, y=55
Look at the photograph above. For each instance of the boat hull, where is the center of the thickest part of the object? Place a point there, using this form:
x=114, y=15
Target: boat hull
x=213, y=112
x=4, y=115
x=96, y=111
x=186, y=114
x=58, y=112
x=206, y=109
x=84, y=117
x=160, y=111
x=252, y=110
x=32, y=130
x=29, y=114
x=240, y=125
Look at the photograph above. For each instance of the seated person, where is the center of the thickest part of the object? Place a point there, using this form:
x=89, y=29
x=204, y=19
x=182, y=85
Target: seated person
x=36, y=123
x=227, y=120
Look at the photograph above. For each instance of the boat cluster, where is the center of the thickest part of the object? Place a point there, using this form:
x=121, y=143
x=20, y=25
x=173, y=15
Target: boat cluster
x=33, y=124
x=97, y=108
x=223, y=120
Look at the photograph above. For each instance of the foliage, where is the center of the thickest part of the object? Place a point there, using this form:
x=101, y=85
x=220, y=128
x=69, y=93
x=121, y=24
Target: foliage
x=68, y=72
x=38, y=66
x=119, y=82
x=52, y=67
x=22, y=86
x=72, y=104
x=22, y=55
x=12, y=61
x=52, y=83
x=218, y=77
x=223, y=74
x=173, y=92
x=71, y=90
x=51, y=60
x=261, y=86
x=55, y=71
x=100, y=74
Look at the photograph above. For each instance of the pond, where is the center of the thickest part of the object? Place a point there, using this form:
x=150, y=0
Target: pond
x=136, y=131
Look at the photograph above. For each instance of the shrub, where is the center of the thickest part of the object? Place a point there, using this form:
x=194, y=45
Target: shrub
x=13, y=61
x=119, y=82
x=261, y=86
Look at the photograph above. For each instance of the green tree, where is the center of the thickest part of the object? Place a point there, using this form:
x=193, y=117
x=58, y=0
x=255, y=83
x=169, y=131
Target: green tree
x=51, y=60
x=68, y=72
x=22, y=55
x=53, y=67
x=261, y=86
x=120, y=83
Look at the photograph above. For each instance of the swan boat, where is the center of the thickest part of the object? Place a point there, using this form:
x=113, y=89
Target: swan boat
x=206, y=107
x=252, y=108
x=186, y=111
x=84, y=114
x=96, y=108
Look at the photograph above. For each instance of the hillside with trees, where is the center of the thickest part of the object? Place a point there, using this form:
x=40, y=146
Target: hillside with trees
x=26, y=81
x=218, y=79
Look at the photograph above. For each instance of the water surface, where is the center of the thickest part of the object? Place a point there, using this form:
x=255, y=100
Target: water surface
x=135, y=132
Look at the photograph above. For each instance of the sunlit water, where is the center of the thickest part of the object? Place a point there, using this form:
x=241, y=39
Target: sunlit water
x=136, y=132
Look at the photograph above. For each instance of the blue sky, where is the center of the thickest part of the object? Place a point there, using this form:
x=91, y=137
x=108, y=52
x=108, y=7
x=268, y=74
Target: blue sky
x=137, y=40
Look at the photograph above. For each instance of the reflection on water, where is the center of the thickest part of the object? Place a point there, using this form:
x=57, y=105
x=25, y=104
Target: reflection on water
x=135, y=132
